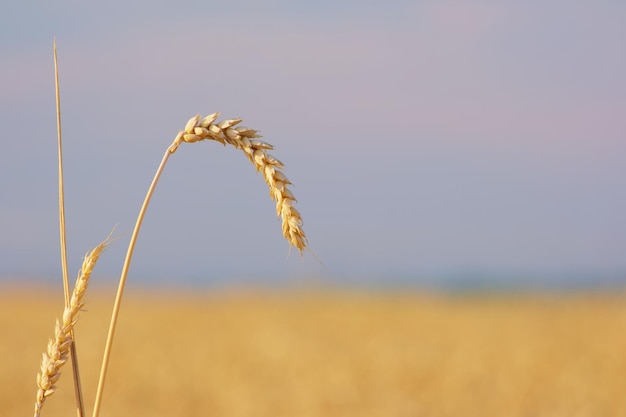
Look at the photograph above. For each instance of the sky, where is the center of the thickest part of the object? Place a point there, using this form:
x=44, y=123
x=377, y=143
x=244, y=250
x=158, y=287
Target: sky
x=428, y=142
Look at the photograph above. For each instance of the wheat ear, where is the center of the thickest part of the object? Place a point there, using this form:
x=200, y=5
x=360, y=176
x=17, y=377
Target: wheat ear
x=59, y=347
x=197, y=129
x=245, y=139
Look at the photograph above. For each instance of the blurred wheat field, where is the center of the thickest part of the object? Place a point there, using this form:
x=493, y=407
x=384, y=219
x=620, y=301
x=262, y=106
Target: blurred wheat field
x=327, y=354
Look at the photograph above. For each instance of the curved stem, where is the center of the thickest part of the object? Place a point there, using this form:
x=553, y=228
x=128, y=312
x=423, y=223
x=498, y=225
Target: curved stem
x=120, y=290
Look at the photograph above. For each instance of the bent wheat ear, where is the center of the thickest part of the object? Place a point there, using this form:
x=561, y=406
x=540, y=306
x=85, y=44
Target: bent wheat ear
x=245, y=139
x=59, y=347
x=198, y=129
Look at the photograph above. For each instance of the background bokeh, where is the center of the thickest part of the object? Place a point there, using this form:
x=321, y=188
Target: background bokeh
x=472, y=146
x=430, y=143
x=276, y=354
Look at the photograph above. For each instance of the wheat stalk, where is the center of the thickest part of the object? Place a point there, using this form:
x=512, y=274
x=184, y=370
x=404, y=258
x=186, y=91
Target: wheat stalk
x=59, y=347
x=80, y=408
x=245, y=139
x=198, y=129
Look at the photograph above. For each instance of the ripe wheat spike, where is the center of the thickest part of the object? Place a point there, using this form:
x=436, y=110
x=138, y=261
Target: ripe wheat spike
x=229, y=132
x=59, y=347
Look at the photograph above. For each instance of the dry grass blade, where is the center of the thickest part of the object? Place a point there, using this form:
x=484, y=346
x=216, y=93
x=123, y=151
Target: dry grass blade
x=245, y=139
x=59, y=347
x=80, y=409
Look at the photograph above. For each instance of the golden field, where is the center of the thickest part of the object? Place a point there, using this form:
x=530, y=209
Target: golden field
x=237, y=353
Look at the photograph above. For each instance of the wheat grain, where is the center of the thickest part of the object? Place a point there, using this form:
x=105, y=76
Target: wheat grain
x=245, y=139
x=59, y=347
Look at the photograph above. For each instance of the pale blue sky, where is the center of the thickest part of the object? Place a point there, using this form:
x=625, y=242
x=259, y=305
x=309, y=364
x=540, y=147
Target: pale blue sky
x=425, y=140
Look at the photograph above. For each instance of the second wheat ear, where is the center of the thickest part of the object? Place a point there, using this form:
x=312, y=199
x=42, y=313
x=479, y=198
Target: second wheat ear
x=226, y=132
x=59, y=347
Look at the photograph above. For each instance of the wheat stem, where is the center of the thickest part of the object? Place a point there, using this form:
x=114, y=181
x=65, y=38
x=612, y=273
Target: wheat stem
x=122, y=284
x=80, y=404
x=66, y=285
x=244, y=139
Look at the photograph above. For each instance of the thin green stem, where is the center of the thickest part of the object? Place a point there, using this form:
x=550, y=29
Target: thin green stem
x=120, y=290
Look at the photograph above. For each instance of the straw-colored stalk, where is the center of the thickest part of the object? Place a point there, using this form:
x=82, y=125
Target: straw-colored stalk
x=227, y=131
x=59, y=347
x=80, y=406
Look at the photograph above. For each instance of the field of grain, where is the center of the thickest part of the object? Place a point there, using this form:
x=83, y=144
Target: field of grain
x=238, y=353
